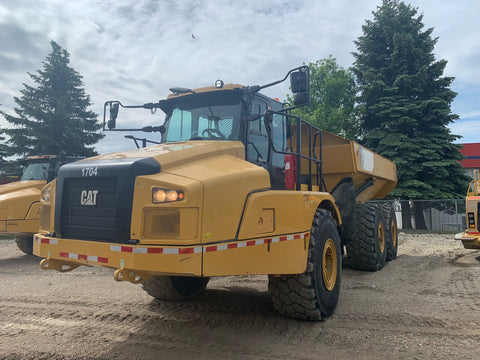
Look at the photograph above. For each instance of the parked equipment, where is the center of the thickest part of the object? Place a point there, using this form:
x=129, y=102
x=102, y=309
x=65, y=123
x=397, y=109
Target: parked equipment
x=20, y=200
x=471, y=236
x=237, y=186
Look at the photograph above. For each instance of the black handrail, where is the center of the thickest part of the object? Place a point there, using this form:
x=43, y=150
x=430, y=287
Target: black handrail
x=311, y=157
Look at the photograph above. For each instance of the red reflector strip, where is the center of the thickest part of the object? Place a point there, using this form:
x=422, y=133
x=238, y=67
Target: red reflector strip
x=210, y=248
x=74, y=256
x=185, y=251
x=47, y=241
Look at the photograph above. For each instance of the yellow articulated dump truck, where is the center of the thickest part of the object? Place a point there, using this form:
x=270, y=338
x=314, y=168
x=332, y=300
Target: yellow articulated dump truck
x=471, y=236
x=20, y=201
x=237, y=186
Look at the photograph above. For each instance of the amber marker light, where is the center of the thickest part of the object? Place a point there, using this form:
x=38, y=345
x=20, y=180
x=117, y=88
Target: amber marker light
x=45, y=195
x=160, y=195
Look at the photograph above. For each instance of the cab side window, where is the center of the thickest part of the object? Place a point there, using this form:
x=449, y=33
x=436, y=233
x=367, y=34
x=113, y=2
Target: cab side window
x=279, y=139
x=257, y=145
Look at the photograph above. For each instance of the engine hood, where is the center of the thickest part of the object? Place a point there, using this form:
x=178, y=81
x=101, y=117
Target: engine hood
x=21, y=185
x=178, y=154
x=17, y=200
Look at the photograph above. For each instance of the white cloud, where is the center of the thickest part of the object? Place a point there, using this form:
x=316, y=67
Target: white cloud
x=468, y=129
x=135, y=51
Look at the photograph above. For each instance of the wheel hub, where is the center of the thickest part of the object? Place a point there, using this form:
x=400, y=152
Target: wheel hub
x=329, y=265
x=381, y=237
x=393, y=232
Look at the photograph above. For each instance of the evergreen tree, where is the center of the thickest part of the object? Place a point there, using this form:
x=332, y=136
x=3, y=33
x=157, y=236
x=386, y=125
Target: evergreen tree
x=404, y=103
x=52, y=117
x=332, y=104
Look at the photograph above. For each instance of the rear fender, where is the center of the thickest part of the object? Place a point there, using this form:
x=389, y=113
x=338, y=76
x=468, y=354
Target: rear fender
x=273, y=235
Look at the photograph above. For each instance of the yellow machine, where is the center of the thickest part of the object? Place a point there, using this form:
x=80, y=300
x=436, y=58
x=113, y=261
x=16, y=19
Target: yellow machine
x=237, y=186
x=471, y=236
x=20, y=201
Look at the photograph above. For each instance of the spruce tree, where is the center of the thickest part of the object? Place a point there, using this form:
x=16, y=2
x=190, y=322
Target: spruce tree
x=405, y=103
x=52, y=116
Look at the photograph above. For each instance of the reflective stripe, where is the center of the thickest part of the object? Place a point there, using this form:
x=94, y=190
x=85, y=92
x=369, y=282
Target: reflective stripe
x=172, y=250
x=74, y=256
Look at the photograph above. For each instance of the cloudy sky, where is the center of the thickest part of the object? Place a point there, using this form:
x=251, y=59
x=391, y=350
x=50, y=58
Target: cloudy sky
x=134, y=51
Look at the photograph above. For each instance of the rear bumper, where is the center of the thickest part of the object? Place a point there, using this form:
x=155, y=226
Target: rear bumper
x=469, y=240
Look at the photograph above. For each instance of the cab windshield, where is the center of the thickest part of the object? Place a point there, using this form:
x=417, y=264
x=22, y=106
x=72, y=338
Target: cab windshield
x=204, y=117
x=36, y=171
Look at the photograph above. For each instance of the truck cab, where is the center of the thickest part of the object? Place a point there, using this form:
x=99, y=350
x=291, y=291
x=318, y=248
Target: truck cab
x=231, y=115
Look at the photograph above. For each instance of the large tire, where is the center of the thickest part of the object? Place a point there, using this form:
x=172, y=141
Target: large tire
x=175, y=288
x=391, y=231
x=314, y=294
x=368, y=249
x=25, y=243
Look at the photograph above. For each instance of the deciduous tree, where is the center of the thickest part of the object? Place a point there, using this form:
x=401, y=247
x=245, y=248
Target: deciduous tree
x=332, y=104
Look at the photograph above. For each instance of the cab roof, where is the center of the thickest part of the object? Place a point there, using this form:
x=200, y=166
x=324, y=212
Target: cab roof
x=204, y=90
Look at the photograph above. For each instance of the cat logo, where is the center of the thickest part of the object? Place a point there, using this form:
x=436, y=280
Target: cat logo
x=88, y=197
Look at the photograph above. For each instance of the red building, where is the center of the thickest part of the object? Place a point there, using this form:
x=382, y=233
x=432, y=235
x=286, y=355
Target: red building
x=472, y=154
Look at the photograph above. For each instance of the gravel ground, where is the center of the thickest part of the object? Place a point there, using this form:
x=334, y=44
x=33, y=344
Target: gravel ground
x=423, y=305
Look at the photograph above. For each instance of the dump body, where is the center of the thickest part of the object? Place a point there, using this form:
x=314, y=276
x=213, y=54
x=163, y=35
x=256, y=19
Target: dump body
x=471, y=236
x=373, y=175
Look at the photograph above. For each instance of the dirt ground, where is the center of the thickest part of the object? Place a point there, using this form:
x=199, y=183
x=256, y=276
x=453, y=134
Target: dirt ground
x=423, y=305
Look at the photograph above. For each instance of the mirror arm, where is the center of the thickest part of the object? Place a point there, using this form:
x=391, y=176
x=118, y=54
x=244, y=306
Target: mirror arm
x=257, y=88
x=115, y=104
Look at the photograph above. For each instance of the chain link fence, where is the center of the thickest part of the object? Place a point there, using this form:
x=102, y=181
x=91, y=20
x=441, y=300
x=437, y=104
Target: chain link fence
x=437, y=216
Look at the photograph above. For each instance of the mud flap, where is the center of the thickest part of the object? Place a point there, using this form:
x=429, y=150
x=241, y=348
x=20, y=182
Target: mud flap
x=344, y=194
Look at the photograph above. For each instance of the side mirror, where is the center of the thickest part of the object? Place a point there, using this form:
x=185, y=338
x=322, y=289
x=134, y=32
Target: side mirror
x=300, y=85
x=302, y=98
x=113, y=116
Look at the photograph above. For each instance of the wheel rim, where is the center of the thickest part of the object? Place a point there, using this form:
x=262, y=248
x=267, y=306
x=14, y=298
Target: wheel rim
x=329, y=265
x=393, y=232
x=381, y=237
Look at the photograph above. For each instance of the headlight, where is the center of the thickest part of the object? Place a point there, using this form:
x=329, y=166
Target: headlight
x=160, y=195
x=45, y=194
